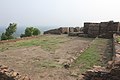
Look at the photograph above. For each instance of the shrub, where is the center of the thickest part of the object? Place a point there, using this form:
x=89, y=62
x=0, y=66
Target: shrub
x=30, y=31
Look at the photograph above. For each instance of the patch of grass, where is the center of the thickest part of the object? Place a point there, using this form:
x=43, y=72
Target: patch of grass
x=49, y=43
x=91, y=56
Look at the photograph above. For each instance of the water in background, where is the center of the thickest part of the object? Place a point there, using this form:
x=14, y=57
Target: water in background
x=20, y=30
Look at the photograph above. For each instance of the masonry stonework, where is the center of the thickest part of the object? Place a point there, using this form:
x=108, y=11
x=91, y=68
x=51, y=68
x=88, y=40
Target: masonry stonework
x=103, y=29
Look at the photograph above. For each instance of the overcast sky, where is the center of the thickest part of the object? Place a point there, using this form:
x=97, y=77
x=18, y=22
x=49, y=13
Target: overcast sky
x=58, y=12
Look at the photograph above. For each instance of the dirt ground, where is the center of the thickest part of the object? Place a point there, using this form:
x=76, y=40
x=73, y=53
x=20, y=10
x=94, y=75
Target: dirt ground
x=40, y=64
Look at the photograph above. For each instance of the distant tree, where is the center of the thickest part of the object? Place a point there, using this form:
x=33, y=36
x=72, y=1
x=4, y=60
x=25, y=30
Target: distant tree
x=9, y=32
x=30, y=31
x=36, y=31
x=3, y=36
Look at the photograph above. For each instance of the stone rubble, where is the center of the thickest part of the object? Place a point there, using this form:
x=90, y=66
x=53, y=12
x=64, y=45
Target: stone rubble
x=9, y=74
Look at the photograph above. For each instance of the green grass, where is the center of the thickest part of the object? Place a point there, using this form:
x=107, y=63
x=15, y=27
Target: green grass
x=91, y=56
x=49, y=43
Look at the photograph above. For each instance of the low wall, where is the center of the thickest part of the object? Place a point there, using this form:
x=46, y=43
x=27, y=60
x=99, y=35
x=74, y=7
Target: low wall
x=63, y=30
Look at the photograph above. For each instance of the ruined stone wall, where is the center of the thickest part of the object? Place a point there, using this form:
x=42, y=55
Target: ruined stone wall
x=71, y=29
x=86, y=27
x=64, y=30
x=93, y=30
x=107, y=29
x=53, y=31
x=103, y=29
x=77, y=29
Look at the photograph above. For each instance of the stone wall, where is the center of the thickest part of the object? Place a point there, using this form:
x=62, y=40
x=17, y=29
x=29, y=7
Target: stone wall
x=93, y=30
x=63, y=30
x=77, y=29
x=53, y=31
x=103, y=29
x=85, y=28
x=107, y=29
x=71, y=29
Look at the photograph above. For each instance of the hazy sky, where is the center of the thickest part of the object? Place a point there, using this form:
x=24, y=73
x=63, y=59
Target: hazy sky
x=58, y=12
